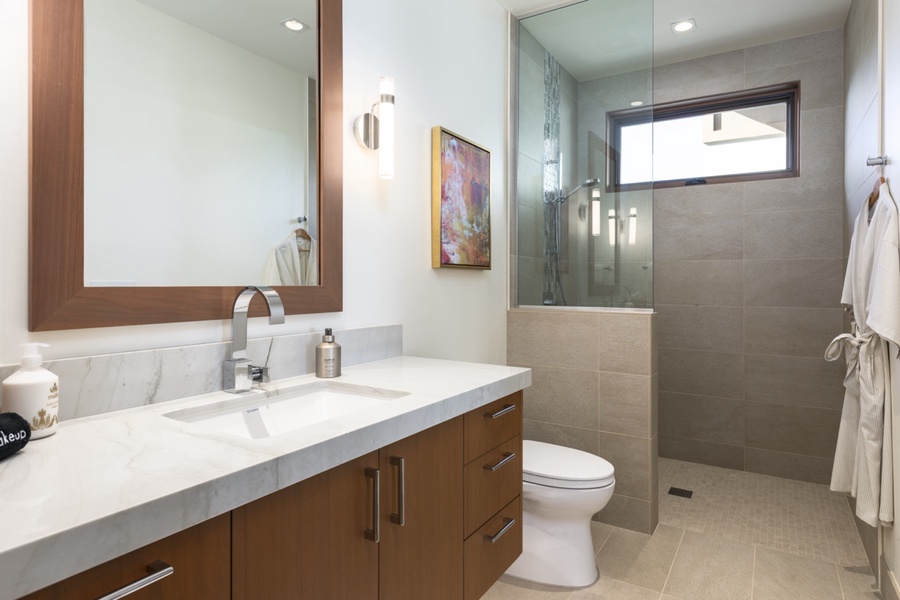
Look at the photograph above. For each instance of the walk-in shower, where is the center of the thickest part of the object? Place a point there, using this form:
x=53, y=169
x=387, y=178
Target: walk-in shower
x=579, y=241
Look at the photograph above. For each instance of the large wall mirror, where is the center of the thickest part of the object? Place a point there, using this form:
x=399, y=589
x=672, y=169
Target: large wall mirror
x=174, y=146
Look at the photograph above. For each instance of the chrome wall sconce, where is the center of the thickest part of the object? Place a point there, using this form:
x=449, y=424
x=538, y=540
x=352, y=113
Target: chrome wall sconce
x=376, y=132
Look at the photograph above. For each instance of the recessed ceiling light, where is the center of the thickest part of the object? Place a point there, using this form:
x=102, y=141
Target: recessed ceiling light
x=637, y=103
x=294, y=25
x=683, y=26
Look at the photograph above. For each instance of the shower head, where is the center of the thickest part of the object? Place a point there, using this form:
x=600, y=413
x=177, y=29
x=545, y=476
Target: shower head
x=587, y=183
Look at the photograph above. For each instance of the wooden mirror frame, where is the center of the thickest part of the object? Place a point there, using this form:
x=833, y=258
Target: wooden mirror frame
x=57, y=296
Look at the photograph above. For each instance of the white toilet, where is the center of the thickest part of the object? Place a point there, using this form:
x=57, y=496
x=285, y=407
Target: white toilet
x=562, y=489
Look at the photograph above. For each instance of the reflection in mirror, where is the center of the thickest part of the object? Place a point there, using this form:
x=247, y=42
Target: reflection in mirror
x=200, y=129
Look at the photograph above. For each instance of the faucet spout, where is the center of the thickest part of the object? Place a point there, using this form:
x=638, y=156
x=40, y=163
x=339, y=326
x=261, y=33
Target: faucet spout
x=239, y=375
x=239, y=316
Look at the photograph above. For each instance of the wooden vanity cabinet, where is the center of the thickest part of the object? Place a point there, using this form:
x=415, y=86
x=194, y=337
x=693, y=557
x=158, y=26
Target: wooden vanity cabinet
x=493, y=490
x=307, y=540
x=200, y=557
x=423, y=557
x=316, y=540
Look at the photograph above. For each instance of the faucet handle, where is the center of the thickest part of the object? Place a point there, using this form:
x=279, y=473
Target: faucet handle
x=259, y=374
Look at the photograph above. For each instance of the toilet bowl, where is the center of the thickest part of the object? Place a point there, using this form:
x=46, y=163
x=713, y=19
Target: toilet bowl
x=562, y=489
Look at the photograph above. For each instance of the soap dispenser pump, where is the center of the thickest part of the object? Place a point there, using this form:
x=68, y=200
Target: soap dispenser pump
x=33, y=393
x=328, y=357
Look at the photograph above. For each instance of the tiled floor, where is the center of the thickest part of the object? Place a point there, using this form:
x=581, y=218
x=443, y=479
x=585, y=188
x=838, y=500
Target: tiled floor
x=742, y=536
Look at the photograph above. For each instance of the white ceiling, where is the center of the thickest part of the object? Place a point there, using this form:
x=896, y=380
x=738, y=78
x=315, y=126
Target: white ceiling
x=595, y=38
x=254, y=26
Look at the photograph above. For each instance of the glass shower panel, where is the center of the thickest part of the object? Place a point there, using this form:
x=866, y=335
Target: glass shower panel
x=578, y=243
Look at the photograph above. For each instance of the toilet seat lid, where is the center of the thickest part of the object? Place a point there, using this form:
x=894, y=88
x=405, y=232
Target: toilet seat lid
x=558, y=466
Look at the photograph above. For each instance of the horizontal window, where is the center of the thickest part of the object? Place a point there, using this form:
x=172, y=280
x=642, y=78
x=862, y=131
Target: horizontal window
x=717, y=139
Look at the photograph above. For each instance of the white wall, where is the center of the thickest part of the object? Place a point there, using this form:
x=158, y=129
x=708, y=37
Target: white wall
x=448, y=60
x=166, y=125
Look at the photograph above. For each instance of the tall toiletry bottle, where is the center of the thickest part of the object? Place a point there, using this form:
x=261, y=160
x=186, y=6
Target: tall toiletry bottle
x=33, y=393
x=328, y=357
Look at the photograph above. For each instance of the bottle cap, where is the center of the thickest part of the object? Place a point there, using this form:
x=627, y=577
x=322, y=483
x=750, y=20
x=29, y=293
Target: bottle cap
x=31, y=354
x=328, y=337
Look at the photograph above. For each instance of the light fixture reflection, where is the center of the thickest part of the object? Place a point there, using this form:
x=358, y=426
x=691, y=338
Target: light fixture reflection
x=632, y=226
x=612, y=227
x=595, y=213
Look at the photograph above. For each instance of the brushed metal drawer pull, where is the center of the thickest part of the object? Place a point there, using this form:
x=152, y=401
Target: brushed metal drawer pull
x=374, y=534
x=399, y=517
x=507, y=456
x=156, y=571
x=507, y=524
x=507, y=408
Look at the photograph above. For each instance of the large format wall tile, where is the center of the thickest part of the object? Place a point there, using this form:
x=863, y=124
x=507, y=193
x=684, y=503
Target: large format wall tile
x=719, y=420
x=707, y=453
x=790, y=331
x=695, y=200
x=705, y=373
x=626, y=404
x=699, y=282
x=793, y=234
x=562, y=397
x=625, y=343
x=709, y=328
x=553, y=339
x=561, y=435
x=810, y=283
x=632, y=460
x=794, y=429
x=700, y=237
x=790, y=466
x=793, y=380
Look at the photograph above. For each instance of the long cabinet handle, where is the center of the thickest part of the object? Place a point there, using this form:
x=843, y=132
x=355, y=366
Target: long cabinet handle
x=507, y=456
x=507, y=408
x=155, y=571
x=507, y=523
x=374, y=534
x=399, y=517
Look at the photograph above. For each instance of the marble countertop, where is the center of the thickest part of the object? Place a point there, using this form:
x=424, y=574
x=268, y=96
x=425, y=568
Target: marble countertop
x=108, y=484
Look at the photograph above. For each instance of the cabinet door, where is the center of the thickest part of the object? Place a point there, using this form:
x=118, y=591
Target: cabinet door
x=200, y=557
x=422, y=515
x=308, y=541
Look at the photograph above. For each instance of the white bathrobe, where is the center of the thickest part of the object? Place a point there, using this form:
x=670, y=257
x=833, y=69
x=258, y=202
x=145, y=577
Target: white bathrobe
x=863, y=458
x=287, y=265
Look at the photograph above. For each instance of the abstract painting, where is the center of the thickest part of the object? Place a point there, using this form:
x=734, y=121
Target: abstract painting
x=461, y=202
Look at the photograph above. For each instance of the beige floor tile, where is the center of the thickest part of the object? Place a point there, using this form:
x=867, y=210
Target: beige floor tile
x=611, y=589
x=600, y=532
x=510, y=588
x=858, y=583
x=782, y=576
x=638, y=558
x=711, y=568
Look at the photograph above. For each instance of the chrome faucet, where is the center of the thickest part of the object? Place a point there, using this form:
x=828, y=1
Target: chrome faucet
x=238, y=374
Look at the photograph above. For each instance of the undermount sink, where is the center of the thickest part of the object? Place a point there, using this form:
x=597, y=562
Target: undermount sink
x=259, y=415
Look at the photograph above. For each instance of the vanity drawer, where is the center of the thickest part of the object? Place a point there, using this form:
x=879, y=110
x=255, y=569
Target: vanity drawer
x=200, y=557
x=492, y=549
x=492, y=481
x=492, y=424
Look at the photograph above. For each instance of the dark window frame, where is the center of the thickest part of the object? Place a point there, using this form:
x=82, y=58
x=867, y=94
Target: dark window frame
x=789, y=93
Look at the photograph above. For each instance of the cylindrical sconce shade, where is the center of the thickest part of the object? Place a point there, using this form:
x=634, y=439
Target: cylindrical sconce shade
x=386, y=128
x=612, y=227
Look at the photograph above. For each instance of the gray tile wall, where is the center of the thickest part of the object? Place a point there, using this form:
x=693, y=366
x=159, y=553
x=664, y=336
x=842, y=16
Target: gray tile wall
x=594, y=388
x=748, y=280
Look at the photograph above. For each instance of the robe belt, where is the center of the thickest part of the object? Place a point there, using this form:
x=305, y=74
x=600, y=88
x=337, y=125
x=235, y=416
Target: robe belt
x=849, y=344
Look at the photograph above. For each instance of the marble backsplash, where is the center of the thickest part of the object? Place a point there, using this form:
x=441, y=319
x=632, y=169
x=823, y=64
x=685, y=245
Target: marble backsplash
x=93, y=385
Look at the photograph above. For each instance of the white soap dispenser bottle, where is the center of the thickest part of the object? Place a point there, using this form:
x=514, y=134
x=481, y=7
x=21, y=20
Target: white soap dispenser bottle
x=33, y=393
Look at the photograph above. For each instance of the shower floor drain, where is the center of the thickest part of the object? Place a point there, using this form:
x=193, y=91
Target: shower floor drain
x=674, y=491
